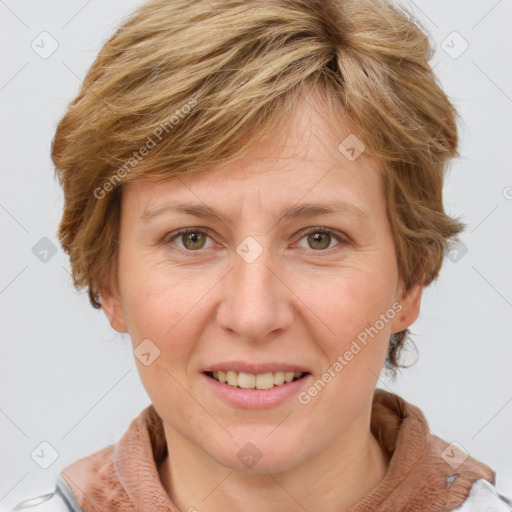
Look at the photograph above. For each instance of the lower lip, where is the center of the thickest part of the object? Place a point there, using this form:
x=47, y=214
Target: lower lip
x=256, y=398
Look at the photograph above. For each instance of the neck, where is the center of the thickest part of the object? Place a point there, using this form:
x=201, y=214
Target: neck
x=333, y=481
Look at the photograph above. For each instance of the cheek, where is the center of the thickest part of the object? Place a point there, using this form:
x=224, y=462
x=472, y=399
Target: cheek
x=161, y=308
x=159, y=305
x=352, y=325
x=344, y=301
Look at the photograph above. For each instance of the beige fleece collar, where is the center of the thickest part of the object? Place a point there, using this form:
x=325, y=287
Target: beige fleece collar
x=124, y=476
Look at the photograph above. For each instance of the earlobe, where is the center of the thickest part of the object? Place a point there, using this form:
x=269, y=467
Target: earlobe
x=410, y=310
x=112, y=307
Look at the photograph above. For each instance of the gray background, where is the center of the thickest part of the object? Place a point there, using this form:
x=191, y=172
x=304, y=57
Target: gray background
x=69, y=380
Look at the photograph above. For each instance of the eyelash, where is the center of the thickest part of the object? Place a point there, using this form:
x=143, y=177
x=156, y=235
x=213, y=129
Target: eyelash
x=187, y=252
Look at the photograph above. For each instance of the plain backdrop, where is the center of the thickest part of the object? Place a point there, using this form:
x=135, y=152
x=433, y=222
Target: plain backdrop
x=70, y=382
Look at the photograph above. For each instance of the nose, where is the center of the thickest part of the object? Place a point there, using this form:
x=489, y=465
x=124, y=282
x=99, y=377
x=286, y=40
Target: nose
x=256, y=301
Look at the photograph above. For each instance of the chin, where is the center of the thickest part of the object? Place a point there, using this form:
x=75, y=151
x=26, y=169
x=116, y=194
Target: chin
x=255, y=454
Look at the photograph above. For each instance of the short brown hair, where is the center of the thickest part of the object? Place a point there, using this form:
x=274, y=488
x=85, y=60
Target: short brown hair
x=197, y=83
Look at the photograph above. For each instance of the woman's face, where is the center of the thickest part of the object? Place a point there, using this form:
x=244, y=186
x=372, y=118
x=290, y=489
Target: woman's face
x=262, y=286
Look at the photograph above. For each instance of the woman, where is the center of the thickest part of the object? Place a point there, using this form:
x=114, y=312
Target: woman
x=253, y=191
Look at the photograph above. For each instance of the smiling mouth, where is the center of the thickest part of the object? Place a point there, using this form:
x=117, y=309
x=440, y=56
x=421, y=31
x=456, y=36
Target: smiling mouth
x=244, y=380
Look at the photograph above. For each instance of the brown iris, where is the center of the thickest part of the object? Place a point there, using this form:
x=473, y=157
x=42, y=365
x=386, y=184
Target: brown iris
x=196, y=239
x=323, y=238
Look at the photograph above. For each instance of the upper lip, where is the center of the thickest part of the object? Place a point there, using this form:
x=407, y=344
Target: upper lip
x=255, y=368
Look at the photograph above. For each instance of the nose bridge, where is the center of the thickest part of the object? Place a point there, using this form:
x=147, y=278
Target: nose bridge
x=256, y=302
x=253, y=266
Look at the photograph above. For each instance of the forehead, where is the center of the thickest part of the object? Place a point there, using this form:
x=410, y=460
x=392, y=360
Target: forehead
x=306, y=160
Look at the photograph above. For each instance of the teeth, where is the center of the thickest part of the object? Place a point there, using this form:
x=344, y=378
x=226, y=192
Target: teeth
x=278, y=378
x=246, y=380
x=265, y=380
x=232, y=378
x=251, y=381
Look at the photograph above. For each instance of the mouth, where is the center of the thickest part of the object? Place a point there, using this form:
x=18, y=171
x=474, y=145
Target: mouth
x=261, y=381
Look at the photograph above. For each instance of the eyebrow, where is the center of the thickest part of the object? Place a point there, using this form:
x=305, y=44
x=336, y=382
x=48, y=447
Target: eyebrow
x=300, y=211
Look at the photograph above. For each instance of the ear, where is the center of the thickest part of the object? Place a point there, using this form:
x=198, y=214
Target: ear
x=410, y=302
x=113, y=309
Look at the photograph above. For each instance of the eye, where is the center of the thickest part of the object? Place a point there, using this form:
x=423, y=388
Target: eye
x=192, y=238
x=320, y=239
